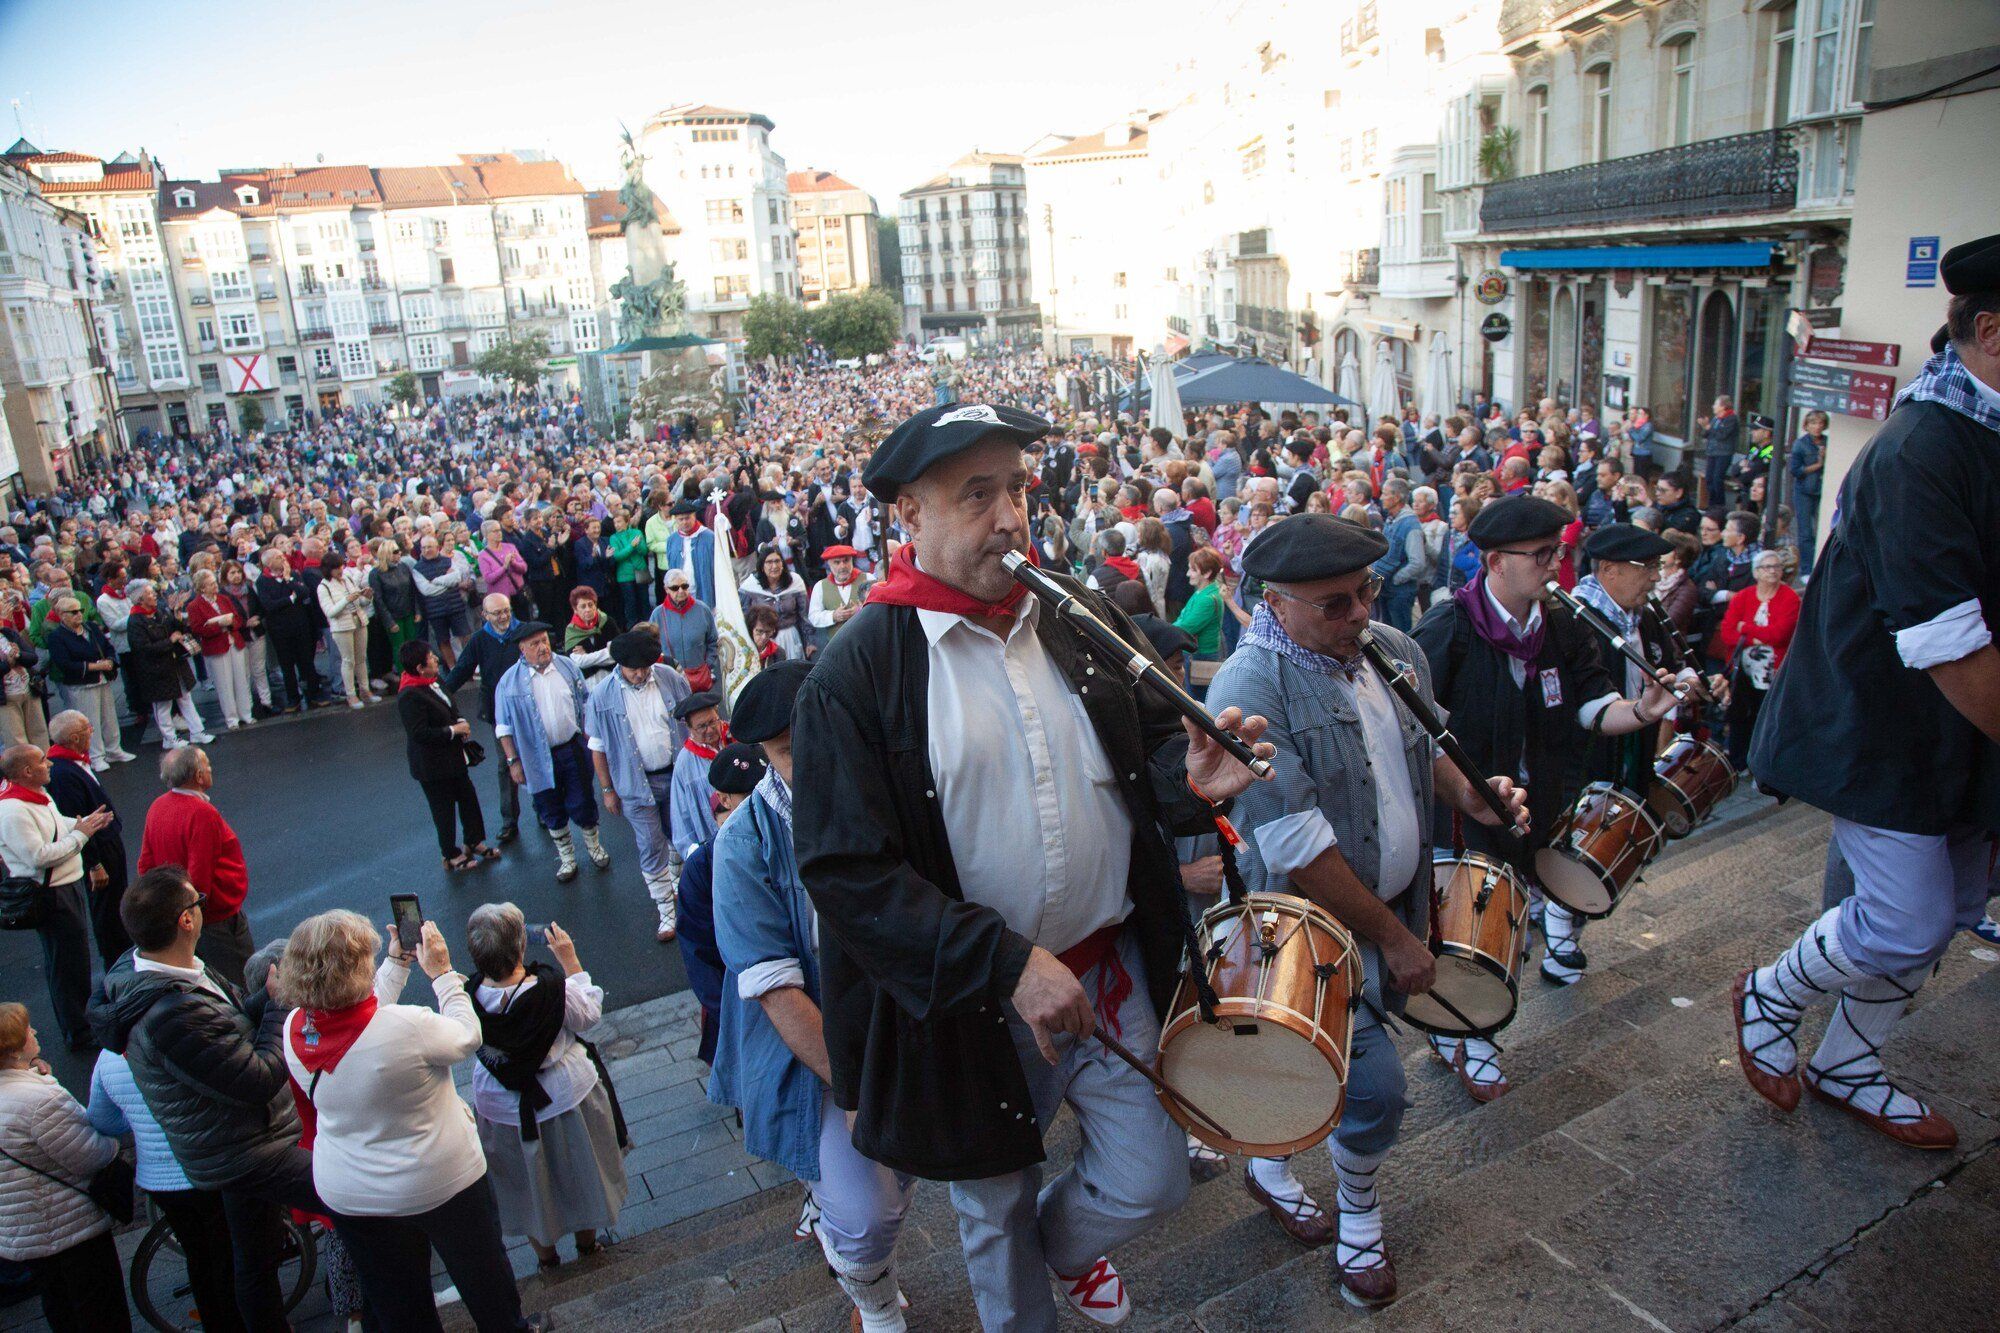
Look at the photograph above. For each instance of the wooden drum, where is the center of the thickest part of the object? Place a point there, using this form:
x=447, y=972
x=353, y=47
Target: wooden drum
x=1482, y=929
x=1597, y=849
x=1272, y=1068
x=1690, y=779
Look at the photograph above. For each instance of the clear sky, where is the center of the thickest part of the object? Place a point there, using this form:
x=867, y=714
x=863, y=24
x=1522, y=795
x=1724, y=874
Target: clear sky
x=887, y=92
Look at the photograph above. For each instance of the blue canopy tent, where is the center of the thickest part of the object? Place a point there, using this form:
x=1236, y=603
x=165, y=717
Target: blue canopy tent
x=1254, y=380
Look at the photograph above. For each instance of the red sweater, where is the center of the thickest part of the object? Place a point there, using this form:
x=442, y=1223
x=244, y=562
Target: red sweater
x=1739, y=622
x=188, y=831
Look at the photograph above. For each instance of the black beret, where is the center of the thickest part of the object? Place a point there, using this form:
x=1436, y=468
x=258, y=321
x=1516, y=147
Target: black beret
x=937, y=433
x=635, y=648
x=1758, y=421
x=694, y=703
x=1306, y=547
x=737, y=769
x=1166, y=637
x=686, y=507
x=1517, y=518
x=1622, y=541
x=764, y=708
x=1972, y=266
x=528, y=629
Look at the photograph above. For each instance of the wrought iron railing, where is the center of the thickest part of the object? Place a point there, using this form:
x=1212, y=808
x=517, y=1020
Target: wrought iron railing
x=1742, y=173
x=1363, y=268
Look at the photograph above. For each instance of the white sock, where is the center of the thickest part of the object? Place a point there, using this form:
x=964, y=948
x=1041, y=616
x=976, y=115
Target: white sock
x=1274, y=1175
x=1848, y=1063
x=1562, y=928
x=1814, y=967
x=1360, y=1243
x=1480, y=1063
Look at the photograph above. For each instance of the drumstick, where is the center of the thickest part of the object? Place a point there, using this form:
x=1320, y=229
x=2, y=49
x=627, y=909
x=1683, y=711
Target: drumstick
x=1452, y=1009
x=1118, y=1049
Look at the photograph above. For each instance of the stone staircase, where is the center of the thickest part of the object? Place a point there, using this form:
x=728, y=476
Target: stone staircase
x=1629, y=1180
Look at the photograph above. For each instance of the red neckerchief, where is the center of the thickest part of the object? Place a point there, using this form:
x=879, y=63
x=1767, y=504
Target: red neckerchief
x=1125, y=565
x=700, y=751
x=415, y=682
x=768, y=651
x=907, y=585
x=144, y=610
x=1132, y=513
x=670, y=604
x=576, y=622
x=64, y=752
x=320, y=1037
x=13, y=791
x=840, y=582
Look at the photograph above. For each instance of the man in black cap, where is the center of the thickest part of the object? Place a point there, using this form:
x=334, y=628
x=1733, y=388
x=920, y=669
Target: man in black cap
x=733, y=774
x=771, y=1063
x=983, y=839
x=1346, y=824
x=539, y=711
x=690, y=814
x=1887, y=715
x=1527, y=692
x=1755, y=461
x=634, y=738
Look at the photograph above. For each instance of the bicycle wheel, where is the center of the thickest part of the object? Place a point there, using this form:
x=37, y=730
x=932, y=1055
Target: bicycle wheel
x=300, y=1264
x=160, y=1283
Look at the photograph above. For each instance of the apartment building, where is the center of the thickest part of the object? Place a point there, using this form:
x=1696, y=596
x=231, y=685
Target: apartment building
x=964, y=237
x=839, y=250
x=1087, y=268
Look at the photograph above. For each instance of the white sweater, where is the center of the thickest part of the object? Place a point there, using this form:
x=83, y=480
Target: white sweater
x=38, y=839
x=394, y=1137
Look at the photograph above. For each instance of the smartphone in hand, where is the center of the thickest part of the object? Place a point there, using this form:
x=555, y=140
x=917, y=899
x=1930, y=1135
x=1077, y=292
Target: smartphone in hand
x=408, y=915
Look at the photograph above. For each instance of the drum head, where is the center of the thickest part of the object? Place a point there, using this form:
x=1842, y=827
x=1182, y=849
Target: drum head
x=1475, y=986
x=1575, y=884
x=1269, y=1087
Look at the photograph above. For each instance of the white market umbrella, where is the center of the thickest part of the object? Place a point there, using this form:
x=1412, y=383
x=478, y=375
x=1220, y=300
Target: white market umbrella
x=1384, y=400
x=1437, y=387
x=1348, y=384
x=1166, y=397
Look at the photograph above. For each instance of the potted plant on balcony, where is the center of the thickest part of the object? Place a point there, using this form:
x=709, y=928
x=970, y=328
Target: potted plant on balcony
x=1496, y=152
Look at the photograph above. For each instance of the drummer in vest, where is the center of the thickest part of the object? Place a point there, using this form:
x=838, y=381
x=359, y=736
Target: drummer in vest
x=985, y=834
x=634, y=738
x=1527, y=692
x=838, y=597
x=1346, y=825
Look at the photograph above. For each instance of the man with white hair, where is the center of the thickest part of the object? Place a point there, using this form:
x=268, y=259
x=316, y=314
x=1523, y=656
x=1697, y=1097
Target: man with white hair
x=74, y=787
x=39, y=842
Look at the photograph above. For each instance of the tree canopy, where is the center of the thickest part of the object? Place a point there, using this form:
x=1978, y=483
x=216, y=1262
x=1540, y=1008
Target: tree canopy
x=521, y=360
x=773, y=326
x=856, y=324
x=403, y=389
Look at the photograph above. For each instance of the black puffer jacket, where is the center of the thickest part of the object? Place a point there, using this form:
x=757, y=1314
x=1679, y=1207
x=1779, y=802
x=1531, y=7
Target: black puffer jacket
x=211, y=1070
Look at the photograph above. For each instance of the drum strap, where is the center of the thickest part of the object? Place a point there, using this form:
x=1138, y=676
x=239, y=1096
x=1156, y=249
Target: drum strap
x=1226, y=840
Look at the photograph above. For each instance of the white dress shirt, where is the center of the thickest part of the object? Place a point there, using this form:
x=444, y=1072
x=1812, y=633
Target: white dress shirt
x=554, y=700
x=1038, y=829
x=652, y=725
x=1396, y=820
x=1586, y=714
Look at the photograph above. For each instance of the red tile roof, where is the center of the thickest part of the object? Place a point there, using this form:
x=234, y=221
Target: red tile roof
x=417, y=187
x=323, y=187
x=116, y=178
x=513, y=179
x=218, y=194
x=810, y=181
x=603, y=215
x=1094, y=145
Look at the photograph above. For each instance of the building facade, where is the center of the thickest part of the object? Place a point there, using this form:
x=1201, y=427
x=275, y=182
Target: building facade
x=838, y=243
x=1673, y=180
x=55, y=385
x=138, y=321
x=716, y=170
x=964, y=236
x=1087, y=268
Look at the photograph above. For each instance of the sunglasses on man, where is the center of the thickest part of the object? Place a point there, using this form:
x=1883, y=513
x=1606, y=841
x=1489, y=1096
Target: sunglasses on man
x=1341, y=605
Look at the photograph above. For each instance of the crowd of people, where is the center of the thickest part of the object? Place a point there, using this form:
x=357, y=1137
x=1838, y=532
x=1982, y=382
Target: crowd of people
x=199, y=586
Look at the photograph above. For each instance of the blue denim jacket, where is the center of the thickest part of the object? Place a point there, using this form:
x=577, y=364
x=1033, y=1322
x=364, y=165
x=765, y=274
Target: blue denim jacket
x=762, y=914
x=514, y=708
x=608, y=725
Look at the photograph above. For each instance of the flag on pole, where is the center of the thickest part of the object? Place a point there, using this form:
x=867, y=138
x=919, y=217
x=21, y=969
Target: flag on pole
x=732, y=631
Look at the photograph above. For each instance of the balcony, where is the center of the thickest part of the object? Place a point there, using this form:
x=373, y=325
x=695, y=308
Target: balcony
x=315, y=335
x=384, y=326
x=1361, y=268
x=1523, y=22
x=1742, y=173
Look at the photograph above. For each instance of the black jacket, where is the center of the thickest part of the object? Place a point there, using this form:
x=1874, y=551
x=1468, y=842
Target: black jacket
x=911, y=975
x=71, y=653
x=435, y=754
x=288, y=606
x=76, y=792
x=490, y=656
x=162, y=667
x=211, y=1070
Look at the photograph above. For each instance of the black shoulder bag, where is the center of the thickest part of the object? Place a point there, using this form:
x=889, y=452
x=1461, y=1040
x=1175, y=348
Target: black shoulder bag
x=110, y=1189
x=24, y=902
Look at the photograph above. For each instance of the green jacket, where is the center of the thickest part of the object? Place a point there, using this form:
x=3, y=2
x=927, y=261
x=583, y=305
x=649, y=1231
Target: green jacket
x=38, y=619
x=628, y=548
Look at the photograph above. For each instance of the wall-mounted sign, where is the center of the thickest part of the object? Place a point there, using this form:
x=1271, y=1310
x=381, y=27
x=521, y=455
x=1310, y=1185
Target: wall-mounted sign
x=1842, y=380
x=246, y=374
x=1855, y=353
x=1873, y=406
x=1922, y=269
x=1617, y=392
x=1495, y=327
x=1490, y=287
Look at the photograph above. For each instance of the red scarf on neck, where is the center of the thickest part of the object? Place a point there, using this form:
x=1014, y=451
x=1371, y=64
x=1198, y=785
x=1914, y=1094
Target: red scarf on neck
x=64, y=752
x=907, y=585
x=144, y=610
x=580, y=623
x=1125, y=565
x=414, y=682
x=320, y=1037
x=14, y=791
x=700, y=751
x=677, y=608
x=840, y=582
x=768, y=651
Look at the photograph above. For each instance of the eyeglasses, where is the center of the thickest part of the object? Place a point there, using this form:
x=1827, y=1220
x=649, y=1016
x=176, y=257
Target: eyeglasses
x=1340, y=605
x=199, y=900
x=1541, y=555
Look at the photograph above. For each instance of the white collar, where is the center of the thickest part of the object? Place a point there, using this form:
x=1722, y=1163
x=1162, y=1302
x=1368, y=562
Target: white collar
x=190, y=791
x=1534, y=612
x=1987, y=393
x=937, y=624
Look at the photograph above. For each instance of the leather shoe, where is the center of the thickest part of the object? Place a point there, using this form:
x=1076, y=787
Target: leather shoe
x=1781, y=1090
x=1479, y=1092
x=1933, y=1133
x=508, y=833
x=1311, y=1230
x=1368, y=1287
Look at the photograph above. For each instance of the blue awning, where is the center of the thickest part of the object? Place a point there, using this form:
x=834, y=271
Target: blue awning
x=1725, y=254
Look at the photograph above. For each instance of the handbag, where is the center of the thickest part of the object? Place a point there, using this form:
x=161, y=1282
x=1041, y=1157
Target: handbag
x=24, y=902
x=475, y=754
x=110, y=1189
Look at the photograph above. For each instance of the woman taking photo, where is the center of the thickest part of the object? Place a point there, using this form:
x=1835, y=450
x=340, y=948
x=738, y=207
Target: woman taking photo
x=396, y=1156
x=547, y=1121
x=1755, y=633
x=48, y=1154
x=346, y=602
x=436, y=747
